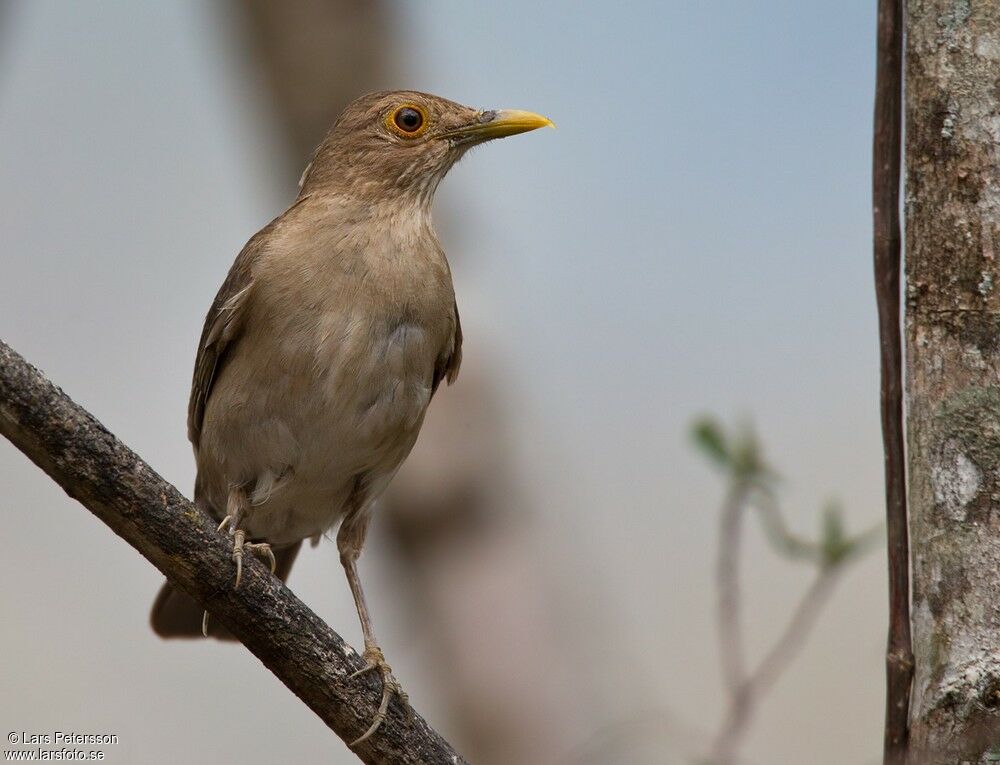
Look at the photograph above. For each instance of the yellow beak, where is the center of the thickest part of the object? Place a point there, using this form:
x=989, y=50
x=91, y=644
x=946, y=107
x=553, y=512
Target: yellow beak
x=499, y=124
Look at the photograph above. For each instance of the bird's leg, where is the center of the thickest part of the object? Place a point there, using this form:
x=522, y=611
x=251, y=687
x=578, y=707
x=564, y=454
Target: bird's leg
x=236, y=509
x=373, y=656
x=350, y=538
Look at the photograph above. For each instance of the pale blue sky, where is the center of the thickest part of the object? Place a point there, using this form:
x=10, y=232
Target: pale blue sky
x=694, y=236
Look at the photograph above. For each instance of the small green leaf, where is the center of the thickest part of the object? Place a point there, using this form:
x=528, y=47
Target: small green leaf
x=708, y=436
x=834, y=542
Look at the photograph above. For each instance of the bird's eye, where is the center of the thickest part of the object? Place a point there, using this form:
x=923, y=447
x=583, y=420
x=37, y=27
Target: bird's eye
x=408, y=121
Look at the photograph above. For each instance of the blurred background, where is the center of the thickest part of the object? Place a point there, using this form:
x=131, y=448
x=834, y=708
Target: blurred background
x=693, y=238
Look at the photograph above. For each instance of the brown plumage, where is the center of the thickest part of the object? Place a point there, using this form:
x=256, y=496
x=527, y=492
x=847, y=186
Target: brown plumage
x=328, y=338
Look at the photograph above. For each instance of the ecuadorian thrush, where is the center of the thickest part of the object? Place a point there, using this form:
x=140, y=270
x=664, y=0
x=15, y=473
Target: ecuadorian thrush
x=325, y=344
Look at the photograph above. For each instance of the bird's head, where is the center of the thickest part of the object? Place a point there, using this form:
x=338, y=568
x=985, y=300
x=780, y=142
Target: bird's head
x=399, y=145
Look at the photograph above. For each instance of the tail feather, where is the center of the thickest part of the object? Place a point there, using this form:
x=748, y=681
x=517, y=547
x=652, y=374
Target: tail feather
x=176, y=614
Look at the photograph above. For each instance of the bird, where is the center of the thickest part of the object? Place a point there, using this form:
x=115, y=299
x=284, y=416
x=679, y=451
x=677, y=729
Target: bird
x=325, y=344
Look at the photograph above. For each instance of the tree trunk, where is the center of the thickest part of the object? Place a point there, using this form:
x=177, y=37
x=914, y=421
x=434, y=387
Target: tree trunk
x=953, y=375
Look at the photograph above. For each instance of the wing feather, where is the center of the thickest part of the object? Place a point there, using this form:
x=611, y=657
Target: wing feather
x=448, y=364
x=224, y=324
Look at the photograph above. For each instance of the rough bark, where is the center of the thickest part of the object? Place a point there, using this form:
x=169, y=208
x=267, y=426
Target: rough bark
x=953, y=375
x=110, y=480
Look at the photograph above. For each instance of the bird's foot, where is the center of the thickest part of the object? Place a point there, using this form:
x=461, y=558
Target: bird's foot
x=375, y=660
x=261, y=549
x=240, y=544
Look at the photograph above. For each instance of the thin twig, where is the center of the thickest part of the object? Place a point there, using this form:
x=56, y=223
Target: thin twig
x=886, y=161
x=729, y=616
x=727, y=581
x=785, y=649
x=791, y=641
x=782, y=540
x=110, y=480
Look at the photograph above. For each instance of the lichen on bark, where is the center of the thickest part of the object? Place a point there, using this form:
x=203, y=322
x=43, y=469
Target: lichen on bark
x=953, y=375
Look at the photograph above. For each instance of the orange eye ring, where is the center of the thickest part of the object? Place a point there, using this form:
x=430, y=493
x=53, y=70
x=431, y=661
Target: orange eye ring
x=407, y=121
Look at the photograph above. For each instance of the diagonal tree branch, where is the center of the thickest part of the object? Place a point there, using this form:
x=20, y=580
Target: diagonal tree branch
x=110, y=480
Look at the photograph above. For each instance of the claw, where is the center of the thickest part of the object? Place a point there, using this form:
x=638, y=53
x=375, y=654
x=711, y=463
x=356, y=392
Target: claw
x=374, y=659
x=263, y=549
x=380, y=716
x=238, y=555
x=364, y=670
